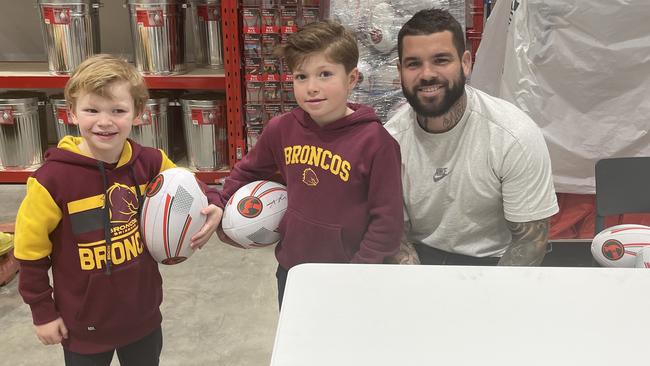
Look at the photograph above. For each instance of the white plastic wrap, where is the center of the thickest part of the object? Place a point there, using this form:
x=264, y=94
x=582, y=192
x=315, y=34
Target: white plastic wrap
x=376, y=24
x=581, y=70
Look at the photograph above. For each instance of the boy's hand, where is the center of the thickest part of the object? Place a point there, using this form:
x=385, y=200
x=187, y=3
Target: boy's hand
x=214, y=214
x=52, y=332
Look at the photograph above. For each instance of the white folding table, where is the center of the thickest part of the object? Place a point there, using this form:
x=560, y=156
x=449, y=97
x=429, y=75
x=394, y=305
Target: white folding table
x=376, y=315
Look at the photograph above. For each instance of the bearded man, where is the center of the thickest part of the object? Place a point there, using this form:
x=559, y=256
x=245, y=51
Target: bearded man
x=476, y=172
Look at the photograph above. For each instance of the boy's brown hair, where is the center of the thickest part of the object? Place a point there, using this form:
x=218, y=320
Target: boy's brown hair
x=95, y=75
x=338, y=44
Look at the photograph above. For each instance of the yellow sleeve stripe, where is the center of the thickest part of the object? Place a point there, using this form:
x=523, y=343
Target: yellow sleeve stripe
x=86, y=204
x=37, y=217
x=166, y=162
x=93, y=202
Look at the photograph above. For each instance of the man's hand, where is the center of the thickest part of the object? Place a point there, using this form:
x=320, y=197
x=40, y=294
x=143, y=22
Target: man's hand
x=53, y=332
x=214, y=214
x=528, y=245
x=405, y=255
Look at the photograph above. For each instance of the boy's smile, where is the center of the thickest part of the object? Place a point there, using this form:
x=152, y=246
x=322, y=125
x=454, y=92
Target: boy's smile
x=321, y=88
x=105, y=121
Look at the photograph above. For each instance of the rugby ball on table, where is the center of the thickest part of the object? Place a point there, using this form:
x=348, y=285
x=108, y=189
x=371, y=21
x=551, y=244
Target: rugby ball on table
x=618, y=246
x=171, y=215
x=252, y=215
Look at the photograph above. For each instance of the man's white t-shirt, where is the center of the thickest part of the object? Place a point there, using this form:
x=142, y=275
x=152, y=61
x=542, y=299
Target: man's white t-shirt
x=462, y=185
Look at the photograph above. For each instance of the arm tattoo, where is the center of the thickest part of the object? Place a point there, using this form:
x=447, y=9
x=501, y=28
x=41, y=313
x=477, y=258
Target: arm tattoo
x=405, y=255
x=528, y=245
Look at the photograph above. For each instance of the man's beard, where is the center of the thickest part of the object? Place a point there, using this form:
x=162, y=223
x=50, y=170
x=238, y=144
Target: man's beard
x=432, y=109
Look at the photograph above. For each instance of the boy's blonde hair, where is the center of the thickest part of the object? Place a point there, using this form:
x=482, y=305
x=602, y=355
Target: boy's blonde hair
x=98, y=72
x=338, y=44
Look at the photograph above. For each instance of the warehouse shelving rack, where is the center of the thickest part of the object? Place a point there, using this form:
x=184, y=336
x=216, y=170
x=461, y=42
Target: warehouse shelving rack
x=30, y=75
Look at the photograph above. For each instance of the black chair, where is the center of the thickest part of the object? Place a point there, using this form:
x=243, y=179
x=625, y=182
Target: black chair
x=622, y=186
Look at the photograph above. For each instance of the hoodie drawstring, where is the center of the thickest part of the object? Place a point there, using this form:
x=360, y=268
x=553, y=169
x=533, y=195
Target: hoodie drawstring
x=107, y=219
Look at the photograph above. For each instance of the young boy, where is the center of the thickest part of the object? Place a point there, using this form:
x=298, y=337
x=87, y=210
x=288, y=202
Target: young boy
x=341, y=167
x=80, y=217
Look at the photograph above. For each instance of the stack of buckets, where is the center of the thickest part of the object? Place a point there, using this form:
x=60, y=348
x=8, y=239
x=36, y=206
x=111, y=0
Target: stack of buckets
x=71, y=34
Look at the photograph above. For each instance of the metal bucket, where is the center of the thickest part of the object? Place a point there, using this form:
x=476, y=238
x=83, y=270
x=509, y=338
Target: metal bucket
x=204, y=117
x=20, y=132
x=62, y=119
x=71, y=32
x=158, y=33
x=206, y=15
x=153, y=131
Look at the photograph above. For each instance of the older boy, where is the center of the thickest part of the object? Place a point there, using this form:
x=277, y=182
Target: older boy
x=103, y=299
x=341, y=167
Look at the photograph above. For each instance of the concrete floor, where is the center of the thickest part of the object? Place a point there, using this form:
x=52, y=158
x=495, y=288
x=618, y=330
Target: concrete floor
x=220, y=307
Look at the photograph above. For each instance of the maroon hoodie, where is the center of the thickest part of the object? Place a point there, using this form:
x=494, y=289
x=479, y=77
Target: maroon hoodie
x=343, y=185
x=63, y=223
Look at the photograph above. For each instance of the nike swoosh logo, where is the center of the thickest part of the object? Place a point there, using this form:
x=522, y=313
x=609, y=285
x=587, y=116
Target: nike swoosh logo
x=438, y=177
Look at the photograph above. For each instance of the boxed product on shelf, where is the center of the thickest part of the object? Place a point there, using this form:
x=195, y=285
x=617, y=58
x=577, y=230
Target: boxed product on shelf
x=253, y=69
x=270, y=20
x=268, y=81
x=254, y=114
x=271, y=91
x=254, y=92
x=272, y=110
x=288, y=20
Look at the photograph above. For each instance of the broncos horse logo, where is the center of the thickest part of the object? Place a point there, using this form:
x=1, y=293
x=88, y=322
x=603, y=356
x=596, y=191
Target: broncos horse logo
x=123, y=203
x=309, y=177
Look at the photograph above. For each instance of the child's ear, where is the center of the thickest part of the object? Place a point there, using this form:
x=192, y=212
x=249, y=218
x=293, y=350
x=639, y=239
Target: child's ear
x=73, y=116
x=353, y=78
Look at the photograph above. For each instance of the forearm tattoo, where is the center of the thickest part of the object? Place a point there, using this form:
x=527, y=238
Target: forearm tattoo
x=528, y=245
x=406, y=254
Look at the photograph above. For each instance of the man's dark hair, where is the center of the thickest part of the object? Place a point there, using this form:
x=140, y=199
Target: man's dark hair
x=430, y=21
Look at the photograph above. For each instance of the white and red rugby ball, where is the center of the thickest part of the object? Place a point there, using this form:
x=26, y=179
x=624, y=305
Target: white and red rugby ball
x=252, y=215
x=171, y=215
x=618, y=246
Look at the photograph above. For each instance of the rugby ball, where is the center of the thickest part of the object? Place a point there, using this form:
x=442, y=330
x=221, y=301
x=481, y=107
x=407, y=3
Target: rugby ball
x=643, y=258
x=171, y=215
x=252, y=215
x=618, y=246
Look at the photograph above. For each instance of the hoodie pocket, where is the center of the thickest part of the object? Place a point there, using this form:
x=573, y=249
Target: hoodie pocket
x=308, y=241
x=124, y=299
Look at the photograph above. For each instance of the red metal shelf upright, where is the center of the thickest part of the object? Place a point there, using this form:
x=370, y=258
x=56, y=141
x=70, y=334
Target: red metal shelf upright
x=232, y=69
x=475, y=33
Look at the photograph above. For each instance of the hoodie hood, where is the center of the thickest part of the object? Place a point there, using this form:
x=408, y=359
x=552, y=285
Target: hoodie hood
x=68, y=151
x=362, y=114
